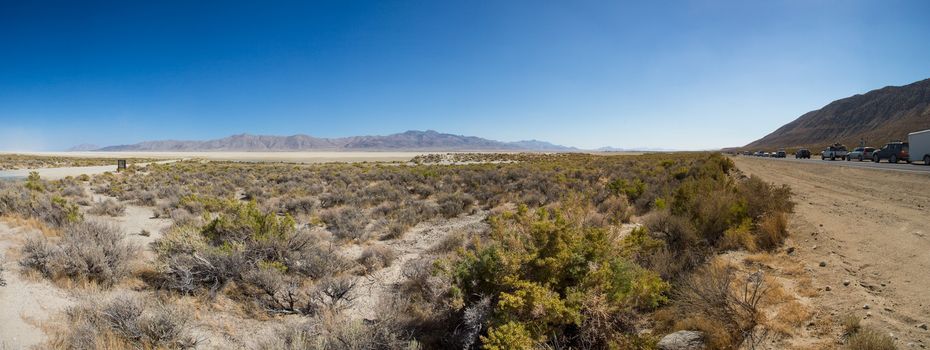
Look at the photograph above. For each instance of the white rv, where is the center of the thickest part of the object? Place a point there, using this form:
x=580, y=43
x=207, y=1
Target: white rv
x=919, y=146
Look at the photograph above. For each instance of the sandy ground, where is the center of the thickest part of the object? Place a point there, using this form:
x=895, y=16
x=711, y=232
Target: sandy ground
x=871, y=231
x=24, y=302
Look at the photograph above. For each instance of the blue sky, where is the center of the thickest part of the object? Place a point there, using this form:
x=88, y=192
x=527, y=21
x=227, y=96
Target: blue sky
x=672, y=74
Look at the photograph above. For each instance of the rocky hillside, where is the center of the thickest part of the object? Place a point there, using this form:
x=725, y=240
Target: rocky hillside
x=410, y=140
x=878, y=116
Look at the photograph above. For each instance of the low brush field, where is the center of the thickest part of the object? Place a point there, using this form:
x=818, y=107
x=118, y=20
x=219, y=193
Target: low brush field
x=489, y=251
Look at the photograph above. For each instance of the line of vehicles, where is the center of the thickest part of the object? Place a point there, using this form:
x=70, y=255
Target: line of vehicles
x=915, y=149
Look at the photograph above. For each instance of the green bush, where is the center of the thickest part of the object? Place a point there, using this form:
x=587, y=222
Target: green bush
x=539, y=267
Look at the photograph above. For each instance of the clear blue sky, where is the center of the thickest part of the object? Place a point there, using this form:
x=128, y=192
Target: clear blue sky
x=687, y=75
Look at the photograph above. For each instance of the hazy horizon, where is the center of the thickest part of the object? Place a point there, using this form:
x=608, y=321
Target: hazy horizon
x=690, y=76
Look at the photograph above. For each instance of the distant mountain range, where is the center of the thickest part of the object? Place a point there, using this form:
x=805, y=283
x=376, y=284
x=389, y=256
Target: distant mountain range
x=879, y=116
x=407, y=141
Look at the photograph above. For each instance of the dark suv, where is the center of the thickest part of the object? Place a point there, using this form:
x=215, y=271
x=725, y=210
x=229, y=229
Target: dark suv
x=802, y=153
x=893, y=151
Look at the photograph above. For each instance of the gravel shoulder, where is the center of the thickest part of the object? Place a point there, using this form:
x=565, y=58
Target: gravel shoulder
x=864, y=233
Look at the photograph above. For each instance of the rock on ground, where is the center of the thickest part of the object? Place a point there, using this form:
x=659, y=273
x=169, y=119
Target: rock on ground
x=682, y=340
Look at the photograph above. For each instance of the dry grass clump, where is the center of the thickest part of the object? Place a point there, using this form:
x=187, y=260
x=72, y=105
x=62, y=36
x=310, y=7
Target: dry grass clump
x=725, y=304
x=790, y=316
x=859, y=337
x=851, y=324
x=89, y=251
x=125, y=322
x=870, y=339
x=108, y=207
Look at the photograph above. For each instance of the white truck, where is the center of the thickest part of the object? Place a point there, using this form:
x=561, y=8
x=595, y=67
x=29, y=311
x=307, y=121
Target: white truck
x=919, y=146
x=833, y=152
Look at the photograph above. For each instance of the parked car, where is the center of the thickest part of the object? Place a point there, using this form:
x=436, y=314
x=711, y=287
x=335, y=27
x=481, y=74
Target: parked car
x=861, y=153
x=802, y=154
x=894, y=152
x=833, y=152
x=919, y=146
x=780, y=154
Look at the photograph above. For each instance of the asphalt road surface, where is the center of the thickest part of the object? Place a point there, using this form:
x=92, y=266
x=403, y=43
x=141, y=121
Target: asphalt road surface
x=918, y=167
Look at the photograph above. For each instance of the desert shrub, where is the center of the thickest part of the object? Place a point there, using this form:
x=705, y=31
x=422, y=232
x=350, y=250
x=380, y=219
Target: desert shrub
x=34, y=182
x=56, y=211
x=346, y=223
x=73, y=191
x=108, y=207
x=318, y=261
x=454, y=204
x=210, y=269
x=225, y=248
x=741, y=237
x=678, y=232
x=147, y=198
x=337, y=332
x=763, y=198
x=300, y=206
x=335, y=293
x=631, y=189
x=510, y=335
x=726, y=306
x=616, y=208
x=126, y=322
x=89, y=250
x=772, y=231
x=537, y=268
x=449, y=243
x=376, y=257
x=281, y=269
x=279, y=293
x=334, y=199
x=183, y=217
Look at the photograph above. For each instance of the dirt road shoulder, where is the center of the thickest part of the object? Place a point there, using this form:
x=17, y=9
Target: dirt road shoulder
x=865, y=237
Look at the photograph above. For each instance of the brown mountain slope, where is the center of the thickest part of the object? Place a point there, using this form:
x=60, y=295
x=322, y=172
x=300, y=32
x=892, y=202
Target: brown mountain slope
x=877, y=117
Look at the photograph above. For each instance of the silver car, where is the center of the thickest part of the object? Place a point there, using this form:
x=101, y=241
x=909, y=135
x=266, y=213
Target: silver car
x=861, y=153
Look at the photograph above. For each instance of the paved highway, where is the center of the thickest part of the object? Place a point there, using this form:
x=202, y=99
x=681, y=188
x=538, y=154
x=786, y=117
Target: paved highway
x=902, y=167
